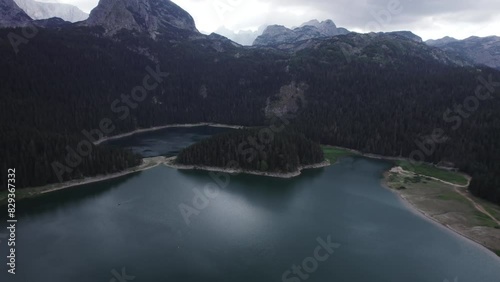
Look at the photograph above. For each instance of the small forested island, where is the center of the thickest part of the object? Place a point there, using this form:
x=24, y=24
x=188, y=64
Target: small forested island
x=254, y=150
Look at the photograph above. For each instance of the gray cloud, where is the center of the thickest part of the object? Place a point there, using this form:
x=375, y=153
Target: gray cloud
x=415, y=14
x=428, y=18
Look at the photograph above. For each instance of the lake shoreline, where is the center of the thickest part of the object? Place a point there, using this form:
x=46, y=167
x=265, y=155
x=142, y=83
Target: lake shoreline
x=35, y=191
x=170, y=162
x=147, y=163
x=419, y=209
x=418, y=212
x=156, y=128
x=31, y=192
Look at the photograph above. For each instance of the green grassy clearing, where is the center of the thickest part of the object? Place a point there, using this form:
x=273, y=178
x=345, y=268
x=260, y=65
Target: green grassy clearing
x=485, y=220
x=431, y=171
x=333, y=154
x=493, y=210
x=453, y=196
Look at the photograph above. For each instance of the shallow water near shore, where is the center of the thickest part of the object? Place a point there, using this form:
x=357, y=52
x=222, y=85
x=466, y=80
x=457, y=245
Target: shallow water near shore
x=254, y=229
x=165, y=142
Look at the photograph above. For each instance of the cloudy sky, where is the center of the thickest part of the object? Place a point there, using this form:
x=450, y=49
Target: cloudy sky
x=428, y=18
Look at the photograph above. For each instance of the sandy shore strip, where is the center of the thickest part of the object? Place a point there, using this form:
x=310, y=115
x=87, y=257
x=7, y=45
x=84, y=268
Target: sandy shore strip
x=147, y=163
x=170, y=162
x=414, y=203
x=418, y=212
x=144, y=130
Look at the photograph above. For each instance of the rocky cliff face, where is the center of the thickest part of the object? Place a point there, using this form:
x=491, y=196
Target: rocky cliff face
x=40, y=11
x=148, y=16
x=11, y=15
x=276, y=35
x=480, y=50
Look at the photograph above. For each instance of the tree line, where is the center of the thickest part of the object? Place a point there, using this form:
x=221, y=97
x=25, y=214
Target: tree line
x=248, y=150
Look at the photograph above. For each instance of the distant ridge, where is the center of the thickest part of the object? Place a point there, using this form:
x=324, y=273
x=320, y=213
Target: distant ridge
x=40, y=11
x=277, y=34
x=480, y=50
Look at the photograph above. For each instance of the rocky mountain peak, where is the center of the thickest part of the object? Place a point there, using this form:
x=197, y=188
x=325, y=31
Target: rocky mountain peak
x=11, y=15
x=327, y=27
x=276, y=34
x=150, y=16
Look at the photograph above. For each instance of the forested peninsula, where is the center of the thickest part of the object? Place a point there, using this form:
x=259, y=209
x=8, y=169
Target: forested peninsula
x=254, y=150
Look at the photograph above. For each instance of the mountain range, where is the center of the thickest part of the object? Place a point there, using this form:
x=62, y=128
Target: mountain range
x=381, y=93
x=484, y=50
x=276, y=34
x=13, y=13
